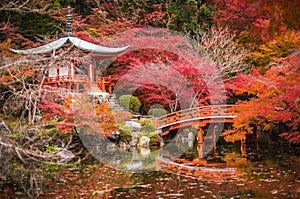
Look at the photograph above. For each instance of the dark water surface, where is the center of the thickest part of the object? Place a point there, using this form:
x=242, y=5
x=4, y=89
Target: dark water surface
x=270, y=173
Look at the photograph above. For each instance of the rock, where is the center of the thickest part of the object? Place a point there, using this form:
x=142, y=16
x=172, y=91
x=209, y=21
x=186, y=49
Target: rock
x=134, y=125
x=134, y=166
x=134, y=135
x=144, y=141
x=6, y=154
x=145, y=152
x=133, y=142
x=124, y=145
x=30, y=133
x=91, y=139
x=115, y=135
x=65, y=155
x=184, y=140
x=111, y=147
x=4, y=128
x=191, y=136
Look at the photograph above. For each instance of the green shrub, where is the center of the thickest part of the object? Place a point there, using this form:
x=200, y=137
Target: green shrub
x=130, y=102
x=154, y=138
x=51, y=149
x=157, y=112
x=56, y=5
x=148, y=126
x=125, y=133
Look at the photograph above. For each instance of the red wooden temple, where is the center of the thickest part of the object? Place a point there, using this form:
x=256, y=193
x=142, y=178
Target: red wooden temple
x=68, y=77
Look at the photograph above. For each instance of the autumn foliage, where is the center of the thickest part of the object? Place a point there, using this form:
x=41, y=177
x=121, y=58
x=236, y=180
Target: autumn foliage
x=258, y=21
x=106, y=119
x=78, y=113
x=273, y=100
x=62, y=113
x=161, y=68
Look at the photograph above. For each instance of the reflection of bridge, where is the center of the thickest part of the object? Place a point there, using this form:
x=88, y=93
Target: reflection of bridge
x=196, y=172
x=200, y=117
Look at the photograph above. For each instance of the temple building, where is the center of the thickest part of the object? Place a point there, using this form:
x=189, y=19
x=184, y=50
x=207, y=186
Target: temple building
x=68, y=77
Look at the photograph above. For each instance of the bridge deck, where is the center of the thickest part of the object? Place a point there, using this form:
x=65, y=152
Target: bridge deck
x=192, y=115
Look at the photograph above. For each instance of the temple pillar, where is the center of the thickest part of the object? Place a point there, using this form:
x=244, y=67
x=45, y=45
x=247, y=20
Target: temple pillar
x=72, y=72
x=69, y=72
x=77, y=88
x=110, y=88
x=69, y=86
x=200, y=151
x=103, y=85
x=90, y=72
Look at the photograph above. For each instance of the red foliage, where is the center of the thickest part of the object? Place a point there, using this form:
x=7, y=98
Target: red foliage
x=164, y=68
x=77, y=111
x=10, y=33
x=54, y=110
x=276, y=98
x=261, y=19
x=157, y=18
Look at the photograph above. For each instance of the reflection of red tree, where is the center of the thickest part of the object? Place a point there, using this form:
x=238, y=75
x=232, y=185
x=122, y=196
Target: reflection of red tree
x=90, y=182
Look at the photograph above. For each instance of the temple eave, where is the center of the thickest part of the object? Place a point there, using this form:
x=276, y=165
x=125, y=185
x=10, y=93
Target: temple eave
x=79, y=43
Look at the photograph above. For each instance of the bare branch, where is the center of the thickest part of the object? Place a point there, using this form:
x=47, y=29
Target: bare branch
x=25, y=6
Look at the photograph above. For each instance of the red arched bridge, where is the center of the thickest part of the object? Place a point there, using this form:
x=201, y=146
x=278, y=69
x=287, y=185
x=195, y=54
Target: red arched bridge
x=200, y=116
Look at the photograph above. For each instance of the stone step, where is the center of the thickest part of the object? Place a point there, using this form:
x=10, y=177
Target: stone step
x=114, y=103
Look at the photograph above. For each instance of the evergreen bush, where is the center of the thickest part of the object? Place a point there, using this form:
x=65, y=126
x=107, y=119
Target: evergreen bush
x=130, y=102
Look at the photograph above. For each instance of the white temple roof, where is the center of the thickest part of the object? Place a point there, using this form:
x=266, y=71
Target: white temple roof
x=79, y=43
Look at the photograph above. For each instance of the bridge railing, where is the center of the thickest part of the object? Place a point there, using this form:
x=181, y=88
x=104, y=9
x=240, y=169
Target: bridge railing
x=197, y=112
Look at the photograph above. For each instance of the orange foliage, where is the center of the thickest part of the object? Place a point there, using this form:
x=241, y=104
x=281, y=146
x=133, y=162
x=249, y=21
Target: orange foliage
x=275, y=100
x=106, y=119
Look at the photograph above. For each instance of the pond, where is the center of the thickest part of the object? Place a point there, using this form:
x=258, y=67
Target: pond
x=270, y=172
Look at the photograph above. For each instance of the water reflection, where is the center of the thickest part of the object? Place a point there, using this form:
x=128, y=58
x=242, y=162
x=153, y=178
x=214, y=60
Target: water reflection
x=272, y=175
x=136, y=159
x=18, y=179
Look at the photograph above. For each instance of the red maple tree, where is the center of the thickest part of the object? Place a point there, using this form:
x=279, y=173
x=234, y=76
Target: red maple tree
x=260, y=19
x=273, y=100
x=165, y=68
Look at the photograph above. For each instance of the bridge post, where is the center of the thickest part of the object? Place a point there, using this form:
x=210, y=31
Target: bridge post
x=214, y=139
x=200, y=142
x=200, y=135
